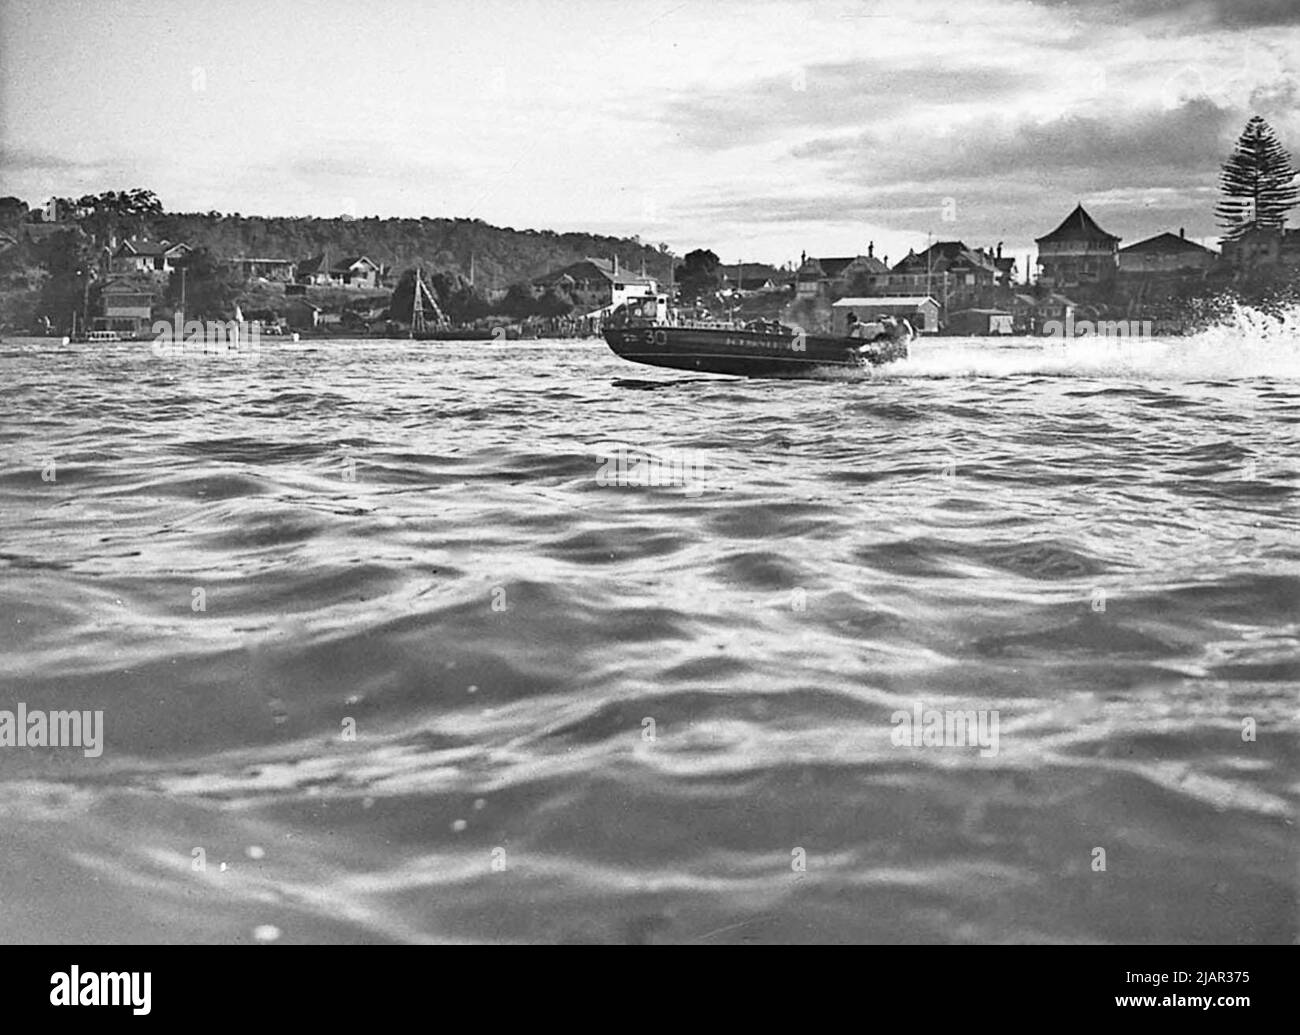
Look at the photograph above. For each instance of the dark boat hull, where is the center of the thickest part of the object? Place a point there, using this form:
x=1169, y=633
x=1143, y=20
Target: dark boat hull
x=747, y=353
x=468, y=335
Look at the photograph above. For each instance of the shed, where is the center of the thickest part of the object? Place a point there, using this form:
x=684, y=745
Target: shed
x=921, y=311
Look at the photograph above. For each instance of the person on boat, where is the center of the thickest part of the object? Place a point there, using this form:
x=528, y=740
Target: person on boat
x=851, y=324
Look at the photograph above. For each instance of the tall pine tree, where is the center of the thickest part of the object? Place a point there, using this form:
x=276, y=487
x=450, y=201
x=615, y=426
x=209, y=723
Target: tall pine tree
x=1258, y=182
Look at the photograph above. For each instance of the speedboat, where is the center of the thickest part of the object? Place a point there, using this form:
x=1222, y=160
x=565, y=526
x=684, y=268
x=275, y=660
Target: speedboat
x=756, y=349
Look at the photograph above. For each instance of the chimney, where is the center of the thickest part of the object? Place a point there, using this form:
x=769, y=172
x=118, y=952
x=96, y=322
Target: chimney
x=999, y=249
x=871, y=250
x=1182, y=232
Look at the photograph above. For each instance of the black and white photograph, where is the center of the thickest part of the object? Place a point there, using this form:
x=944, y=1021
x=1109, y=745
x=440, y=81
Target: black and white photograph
x=578, y=473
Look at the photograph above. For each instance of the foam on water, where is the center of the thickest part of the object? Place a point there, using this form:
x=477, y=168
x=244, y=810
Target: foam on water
x=1246, y=343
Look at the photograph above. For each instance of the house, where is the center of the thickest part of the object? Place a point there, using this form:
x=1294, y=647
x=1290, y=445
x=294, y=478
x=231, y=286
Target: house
x=1165, y=254
x=1030, y=313
x=1262, y=246
x=835, y=277
x=980, y=322
x=159, y=258
x=962, y=276
x=354, y=271
x=128, y=308
x=921, y=311
x=281, y=270
x=596, y=283
x=1078, y=253
x=313, y=271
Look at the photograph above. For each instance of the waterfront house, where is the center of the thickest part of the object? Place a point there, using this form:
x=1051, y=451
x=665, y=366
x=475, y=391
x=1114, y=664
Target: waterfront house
x=127, y=308
x=961, y=276
x=835, y=277
x=1164, y=255
x=1262, y=246
x=1078, y=253
x=1030, y=312
x=356, y=271
x=980, y=323
x=158, y=258
x=280, y=270
x=312, y=271
x=595, y=284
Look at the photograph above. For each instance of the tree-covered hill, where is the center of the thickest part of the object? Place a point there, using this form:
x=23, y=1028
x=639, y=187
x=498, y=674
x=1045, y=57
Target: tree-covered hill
x=501, y=255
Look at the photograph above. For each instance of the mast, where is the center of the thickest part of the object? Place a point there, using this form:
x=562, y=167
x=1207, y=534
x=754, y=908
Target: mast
x=417, y=303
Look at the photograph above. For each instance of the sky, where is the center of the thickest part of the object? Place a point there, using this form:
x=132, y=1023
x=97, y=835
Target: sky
x=758, y=129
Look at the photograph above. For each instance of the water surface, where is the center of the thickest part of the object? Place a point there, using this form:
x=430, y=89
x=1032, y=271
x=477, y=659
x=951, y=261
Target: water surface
x=383, y=656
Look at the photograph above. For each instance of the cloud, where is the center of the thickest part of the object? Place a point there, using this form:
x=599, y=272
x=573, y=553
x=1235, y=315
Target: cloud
x=1232, y=14
x=1149, y=146
x=1010, y=179
x=18, y=160
x=832, y=94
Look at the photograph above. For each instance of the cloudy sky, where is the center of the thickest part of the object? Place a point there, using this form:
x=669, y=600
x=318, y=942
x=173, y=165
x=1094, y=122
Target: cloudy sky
x=759, y=129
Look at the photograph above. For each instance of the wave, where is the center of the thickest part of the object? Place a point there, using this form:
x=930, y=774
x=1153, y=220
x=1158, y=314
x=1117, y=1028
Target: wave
x=1245, y=343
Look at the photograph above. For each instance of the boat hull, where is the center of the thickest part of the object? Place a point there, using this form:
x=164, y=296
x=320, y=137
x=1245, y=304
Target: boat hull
x=747, y=353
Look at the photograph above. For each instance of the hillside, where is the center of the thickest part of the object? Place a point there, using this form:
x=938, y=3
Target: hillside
x=501, y=255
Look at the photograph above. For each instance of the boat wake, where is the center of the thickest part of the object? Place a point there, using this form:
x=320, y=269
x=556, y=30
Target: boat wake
x=1246, y=344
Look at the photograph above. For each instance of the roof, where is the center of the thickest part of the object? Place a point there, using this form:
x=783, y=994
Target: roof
x=884, y=301
x=311, y=265
x=148, y=247
x=834, y=267
x=1165, y=242
x=944, y=255
x=586, y=268
x=1078, y=226
x=345, y=265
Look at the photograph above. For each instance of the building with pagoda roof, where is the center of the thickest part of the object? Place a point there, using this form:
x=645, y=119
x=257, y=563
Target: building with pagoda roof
x=1078, y=253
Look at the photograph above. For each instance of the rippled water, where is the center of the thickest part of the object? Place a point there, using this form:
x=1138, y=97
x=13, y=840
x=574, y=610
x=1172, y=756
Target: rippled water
x=371, y=629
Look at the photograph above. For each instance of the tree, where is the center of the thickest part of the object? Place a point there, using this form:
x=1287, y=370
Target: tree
x=518, y=302
x=12, y=212
x=211, y=287
x=69, y=261
x=698, y=275
x=1258, y=182
x=554, y=303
